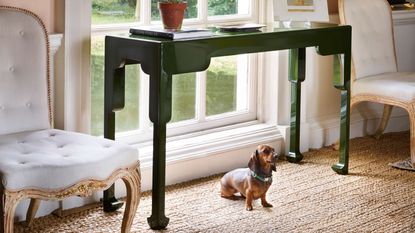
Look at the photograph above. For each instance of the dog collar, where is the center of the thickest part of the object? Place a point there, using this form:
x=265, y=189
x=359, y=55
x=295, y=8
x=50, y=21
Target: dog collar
x=260, y=178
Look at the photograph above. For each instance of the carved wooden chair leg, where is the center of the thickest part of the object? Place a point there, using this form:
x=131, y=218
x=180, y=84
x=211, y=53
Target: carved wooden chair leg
x=8, y=207
x=336, y=145
x=2, y=211
x=411, y=112
x=133, y=185
x=31, y=212
x=387, y=110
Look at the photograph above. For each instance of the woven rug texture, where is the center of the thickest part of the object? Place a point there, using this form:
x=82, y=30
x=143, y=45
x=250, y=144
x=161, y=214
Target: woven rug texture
x=307, y=197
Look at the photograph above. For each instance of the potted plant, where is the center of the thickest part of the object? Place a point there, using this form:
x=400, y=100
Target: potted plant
x=172, y=13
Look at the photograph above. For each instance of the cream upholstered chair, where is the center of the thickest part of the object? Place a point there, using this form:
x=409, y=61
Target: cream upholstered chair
x=375, y=75
x=39, y=162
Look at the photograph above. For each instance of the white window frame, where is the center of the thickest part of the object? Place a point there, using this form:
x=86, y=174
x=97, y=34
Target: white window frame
x=200, y=122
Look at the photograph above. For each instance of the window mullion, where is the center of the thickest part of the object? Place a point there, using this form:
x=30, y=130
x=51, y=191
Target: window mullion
x=203, y=10
x=253, y=83
x=201, y=76
x=145, y=11
x=201, y=96
x=144, y=99
x=255, y=9
x=242, y=84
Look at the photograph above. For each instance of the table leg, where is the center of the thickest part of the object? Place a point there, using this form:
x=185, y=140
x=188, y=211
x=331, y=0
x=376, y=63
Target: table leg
x=158, y=220
x=114, y=99
x=160, y=114
x=342, y=166
x=111, y=203
x=297, y=59
x=342, y=81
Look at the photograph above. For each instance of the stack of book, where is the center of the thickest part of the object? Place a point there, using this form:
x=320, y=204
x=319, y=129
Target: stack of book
x=184, y=33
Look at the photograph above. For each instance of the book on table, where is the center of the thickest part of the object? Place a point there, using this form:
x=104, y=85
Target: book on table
x=171, y=34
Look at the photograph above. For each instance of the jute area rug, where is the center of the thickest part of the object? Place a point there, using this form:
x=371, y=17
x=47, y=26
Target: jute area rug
x=307, y=197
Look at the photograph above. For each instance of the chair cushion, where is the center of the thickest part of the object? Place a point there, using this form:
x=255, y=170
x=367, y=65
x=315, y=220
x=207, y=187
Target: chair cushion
x=399, y=86
x=56, y=159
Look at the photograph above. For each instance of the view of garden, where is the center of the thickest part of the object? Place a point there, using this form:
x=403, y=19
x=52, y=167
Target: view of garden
x=121, y=11
x=220, y=78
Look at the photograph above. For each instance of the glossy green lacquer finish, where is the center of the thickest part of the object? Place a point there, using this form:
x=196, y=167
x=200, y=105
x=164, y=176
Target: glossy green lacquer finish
x=161, y=58
x=341, y=80
x=296, y=76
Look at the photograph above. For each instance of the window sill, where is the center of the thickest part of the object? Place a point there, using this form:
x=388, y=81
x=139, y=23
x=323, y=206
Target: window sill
x=215, y=141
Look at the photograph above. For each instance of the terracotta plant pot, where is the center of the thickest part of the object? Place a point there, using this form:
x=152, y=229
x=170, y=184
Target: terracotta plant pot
x=172, y=14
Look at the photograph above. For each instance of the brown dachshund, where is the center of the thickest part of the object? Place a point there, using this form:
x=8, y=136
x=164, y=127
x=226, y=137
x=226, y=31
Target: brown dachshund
x=252, y=182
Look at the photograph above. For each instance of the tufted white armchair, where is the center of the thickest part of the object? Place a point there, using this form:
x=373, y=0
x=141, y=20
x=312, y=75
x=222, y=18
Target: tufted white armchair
x=39, y=162
x=375, y=75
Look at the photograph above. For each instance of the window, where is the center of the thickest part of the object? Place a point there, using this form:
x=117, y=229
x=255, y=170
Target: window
x=225, y=94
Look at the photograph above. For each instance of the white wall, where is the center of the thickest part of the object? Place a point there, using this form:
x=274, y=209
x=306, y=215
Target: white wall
x=43, y=8
x=404, y=39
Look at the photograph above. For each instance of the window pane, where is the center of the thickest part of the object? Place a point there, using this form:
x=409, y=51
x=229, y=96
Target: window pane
x=115, y=11
x=227, y=85
x=191, y=11
x=184, y=97
x=126, y=119
x=228, y=7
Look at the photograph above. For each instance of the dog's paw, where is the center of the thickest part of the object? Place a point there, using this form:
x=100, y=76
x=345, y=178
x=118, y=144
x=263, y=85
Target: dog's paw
x=266, y=204
x=249, y=208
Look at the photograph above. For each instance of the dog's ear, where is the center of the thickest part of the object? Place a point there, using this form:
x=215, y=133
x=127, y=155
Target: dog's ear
x=253, y=161
x=273, y=167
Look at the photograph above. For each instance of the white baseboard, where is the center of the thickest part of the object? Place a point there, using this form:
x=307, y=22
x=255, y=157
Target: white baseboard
x=326, y=131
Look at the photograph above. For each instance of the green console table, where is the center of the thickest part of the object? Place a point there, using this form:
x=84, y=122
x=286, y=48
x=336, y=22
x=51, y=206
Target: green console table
x=162, y=58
